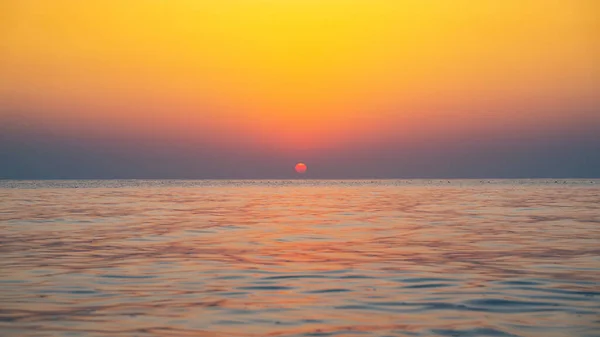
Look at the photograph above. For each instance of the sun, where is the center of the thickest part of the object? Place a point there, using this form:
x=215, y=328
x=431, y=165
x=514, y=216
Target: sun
x=301, y=168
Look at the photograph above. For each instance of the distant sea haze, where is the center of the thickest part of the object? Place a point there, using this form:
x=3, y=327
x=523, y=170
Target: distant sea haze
x=297, y=182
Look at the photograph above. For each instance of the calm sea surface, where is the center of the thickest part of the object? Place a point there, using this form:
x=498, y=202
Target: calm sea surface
x=300, y=258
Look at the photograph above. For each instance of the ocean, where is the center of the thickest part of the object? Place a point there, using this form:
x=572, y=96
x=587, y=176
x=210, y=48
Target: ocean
x=300, y=258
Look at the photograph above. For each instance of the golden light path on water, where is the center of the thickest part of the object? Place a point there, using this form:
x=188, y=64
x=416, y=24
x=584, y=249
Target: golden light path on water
x=302, y=258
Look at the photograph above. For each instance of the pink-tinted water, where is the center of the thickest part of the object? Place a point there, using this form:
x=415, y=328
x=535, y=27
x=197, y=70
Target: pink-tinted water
x=303, y=258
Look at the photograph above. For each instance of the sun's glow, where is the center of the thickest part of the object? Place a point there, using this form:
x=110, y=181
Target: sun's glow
x=301, y=168
x=297, y=74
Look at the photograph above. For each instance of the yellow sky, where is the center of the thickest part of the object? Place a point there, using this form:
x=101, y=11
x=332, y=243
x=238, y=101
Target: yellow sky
x=292, y=68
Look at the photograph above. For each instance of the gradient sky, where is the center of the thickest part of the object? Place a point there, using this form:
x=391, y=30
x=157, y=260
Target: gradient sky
x=247, y=88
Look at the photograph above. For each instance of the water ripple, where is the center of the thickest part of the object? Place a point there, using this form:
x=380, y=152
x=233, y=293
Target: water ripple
x=300, y=258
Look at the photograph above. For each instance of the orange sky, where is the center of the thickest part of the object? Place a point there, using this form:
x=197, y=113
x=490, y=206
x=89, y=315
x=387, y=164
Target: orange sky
x=299, y=74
